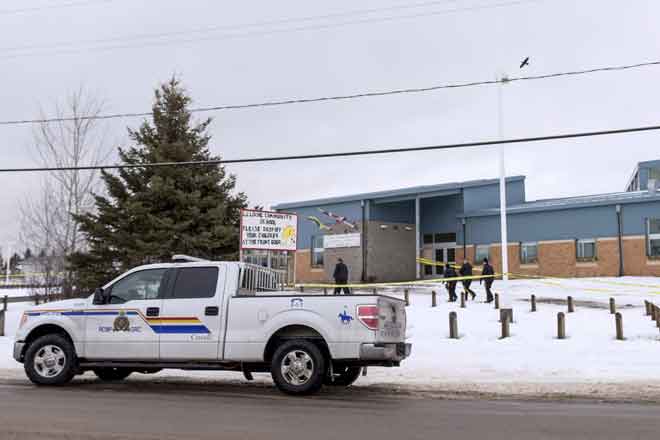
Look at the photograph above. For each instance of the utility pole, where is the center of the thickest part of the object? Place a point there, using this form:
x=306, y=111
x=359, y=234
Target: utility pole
x=503, y=220
x=8, y=264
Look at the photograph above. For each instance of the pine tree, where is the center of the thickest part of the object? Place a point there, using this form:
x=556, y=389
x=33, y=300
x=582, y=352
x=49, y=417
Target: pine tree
x=151, y=213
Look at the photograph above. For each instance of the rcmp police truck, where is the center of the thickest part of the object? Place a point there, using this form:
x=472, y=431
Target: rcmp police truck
x=200, y=315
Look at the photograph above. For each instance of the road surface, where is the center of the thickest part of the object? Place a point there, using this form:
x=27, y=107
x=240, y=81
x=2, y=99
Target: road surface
x=139, y=411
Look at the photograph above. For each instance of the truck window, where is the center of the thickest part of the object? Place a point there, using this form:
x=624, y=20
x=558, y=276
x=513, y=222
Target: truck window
x=138, y=286
x=196, y=282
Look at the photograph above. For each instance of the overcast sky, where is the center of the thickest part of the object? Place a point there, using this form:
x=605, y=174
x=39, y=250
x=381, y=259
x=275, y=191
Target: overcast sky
x=447, y=41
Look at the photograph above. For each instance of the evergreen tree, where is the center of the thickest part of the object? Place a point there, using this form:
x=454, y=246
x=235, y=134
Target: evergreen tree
x=27, y=254
x=151, y=213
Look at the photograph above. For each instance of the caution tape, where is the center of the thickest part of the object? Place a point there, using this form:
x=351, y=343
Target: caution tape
x=23, y=275
x=396, y=283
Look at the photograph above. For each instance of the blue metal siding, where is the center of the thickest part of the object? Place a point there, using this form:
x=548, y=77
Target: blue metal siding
x=307, y=228
x=438, y=214
x=566, y=224
x=488, y=196
x=634, y=217
x=396, y=212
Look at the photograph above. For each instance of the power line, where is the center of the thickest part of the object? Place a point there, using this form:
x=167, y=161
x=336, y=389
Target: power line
x=347, y=97
x=63, y=5
x=231, y=27
x=270, y=32
x=342, y=154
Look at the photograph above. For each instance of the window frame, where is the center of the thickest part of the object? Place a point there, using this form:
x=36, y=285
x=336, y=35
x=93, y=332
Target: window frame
x=316, y=250
x=651, y=237
x=174, y=277
x=167, y=272
x=478, y=260
x=523, y=258
x=579, y=244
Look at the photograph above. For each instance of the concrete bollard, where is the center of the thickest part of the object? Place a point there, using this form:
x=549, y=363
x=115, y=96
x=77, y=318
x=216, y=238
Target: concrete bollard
x=2, y=323
x=325, y=290
x=571, y=306
x=453, y=325
x=657, y=318
x=302, y=289
x=653, y=312
x=4, y=303
x=375, y=291
x=497, y=301
x=434, y=301
x=505, y=329
x=648, y=308
x=612, y=306
x=561, y=325
x=463, y=295
x=406, y=295
x=619, y=326
x=533, y=302
x=36, y=299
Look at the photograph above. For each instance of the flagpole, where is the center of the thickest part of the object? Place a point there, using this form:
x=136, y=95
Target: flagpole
x=503, y=218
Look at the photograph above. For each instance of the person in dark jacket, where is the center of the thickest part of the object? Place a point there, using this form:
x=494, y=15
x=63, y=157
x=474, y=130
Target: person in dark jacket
x=466, y=271
x=341, y=277
x=488, y=270
x=451, y=285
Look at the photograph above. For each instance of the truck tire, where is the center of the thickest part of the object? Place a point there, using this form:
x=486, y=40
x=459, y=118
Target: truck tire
x=343, y=376
x=111, y=374
x=298, y=367
x=50, y=360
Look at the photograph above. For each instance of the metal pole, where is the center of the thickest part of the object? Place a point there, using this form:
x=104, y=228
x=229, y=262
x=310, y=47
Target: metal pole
x=503, y=222
x=418, y=270
x=8, y=262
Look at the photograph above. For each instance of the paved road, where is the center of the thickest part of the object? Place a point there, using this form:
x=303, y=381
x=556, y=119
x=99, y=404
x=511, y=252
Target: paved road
x=139, y=411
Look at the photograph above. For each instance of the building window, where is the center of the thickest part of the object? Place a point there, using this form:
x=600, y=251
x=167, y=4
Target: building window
x=428, y=269
x=482, y=251
x=586, y=250
x=446, y=237
x=529, y=253
x=317, y=251
x=654, y=174
x=653, y=237
x=428, y=238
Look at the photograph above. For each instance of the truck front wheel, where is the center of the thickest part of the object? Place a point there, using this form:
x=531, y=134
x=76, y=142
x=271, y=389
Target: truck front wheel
x=110, y=374
x=298, y=367
x=50, y=360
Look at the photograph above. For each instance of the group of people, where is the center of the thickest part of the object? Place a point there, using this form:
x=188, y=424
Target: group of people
x=340, y=276
x=466, y=271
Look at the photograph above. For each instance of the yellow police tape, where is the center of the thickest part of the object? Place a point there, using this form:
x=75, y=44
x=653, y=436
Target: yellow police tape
x=396, y=283
x=23, y=275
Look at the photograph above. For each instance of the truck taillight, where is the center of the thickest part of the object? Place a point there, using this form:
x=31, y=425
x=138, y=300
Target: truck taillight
x=368, y=315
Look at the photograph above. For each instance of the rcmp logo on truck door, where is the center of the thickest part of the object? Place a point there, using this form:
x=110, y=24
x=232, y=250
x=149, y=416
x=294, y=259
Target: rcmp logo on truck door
x=121, y=324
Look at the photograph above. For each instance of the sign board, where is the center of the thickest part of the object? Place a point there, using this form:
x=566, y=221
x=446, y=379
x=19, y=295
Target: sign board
x=267, y=230
x=342, y=240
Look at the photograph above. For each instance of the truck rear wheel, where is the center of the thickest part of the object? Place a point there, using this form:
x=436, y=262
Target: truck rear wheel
x=110, y=374
x=343, y=376
x=50, y=360
x=298, y=367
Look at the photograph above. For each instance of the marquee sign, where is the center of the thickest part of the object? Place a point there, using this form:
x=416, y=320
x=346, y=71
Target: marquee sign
x=268, y=230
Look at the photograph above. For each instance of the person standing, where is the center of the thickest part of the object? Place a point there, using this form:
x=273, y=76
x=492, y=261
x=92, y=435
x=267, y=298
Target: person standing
x=466, y=271
x=451, y=285
x=488, y=270
x=341, y=277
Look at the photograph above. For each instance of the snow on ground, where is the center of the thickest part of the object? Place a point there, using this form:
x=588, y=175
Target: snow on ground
x=532, y=360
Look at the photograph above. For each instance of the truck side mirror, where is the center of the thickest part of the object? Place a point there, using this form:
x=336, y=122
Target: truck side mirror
x=99, y=297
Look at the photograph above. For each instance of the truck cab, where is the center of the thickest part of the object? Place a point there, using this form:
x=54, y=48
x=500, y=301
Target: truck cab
x=194, y=314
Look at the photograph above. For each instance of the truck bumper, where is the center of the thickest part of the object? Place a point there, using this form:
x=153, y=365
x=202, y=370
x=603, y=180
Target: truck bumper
x=385, y=352
x=18, y=351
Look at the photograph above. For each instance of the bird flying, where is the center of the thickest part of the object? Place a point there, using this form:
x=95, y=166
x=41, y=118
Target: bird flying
x=524, y=63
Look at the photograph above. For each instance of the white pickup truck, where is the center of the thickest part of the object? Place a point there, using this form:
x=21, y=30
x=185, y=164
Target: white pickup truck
x=204, y=315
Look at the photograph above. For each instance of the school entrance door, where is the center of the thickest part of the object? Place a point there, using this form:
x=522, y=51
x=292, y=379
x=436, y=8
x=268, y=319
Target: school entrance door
x=444, y=253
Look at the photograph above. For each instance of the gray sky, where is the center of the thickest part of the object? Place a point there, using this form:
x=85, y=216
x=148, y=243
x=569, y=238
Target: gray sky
x=440, y=47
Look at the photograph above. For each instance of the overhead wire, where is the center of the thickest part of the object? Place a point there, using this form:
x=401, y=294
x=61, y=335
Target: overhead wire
x=354, y=153
x=360, y=95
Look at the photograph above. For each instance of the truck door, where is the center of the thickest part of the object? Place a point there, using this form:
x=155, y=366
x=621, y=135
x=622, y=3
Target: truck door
x=121, y=329
x=192, y=313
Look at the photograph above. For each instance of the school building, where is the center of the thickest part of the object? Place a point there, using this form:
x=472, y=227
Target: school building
x=380, y=234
